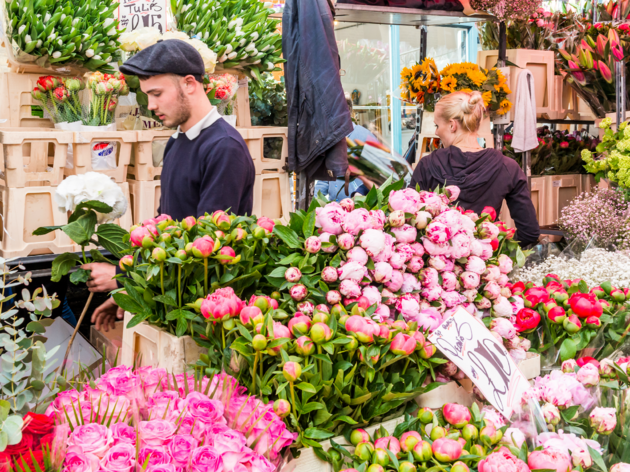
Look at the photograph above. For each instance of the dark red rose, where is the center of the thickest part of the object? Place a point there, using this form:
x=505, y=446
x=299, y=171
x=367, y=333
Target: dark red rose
x=527, y=319
x=38, y=424
x=28, y=458
x=22, y=447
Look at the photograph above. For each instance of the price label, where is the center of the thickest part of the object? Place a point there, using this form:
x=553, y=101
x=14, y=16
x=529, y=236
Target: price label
x=136, y=14
x=469, y=344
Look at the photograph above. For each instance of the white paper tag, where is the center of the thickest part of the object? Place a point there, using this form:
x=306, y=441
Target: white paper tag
x=468, y=343
x=133, y=15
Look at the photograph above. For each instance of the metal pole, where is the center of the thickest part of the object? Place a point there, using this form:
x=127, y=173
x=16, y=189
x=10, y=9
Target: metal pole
x=620, y=84
x=419, y=111
x=500, y=129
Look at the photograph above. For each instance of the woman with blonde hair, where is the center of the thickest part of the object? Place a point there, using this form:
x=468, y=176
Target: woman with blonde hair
x=485, y=176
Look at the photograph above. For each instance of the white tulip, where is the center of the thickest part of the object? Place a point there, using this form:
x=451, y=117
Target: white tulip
x=89, y=52
x=97, y=58
x=250, y=47
x=270, y=66
x=21, y=29
x=52, y=36
x=39, y=43
x=56, y=54
x=101, y=44
x=27, y=38
x=255, y=35
x=60, y=42
x=242, y=42
x=111, y=43
x=223, y=58
x=63, y=16
x=239, y=33
x=253, y=53
x=108, y=22
x=206, y=34
x=229, y=49
x=257, y=61
x=232, y=55
x=75, y=21
x=46, y=17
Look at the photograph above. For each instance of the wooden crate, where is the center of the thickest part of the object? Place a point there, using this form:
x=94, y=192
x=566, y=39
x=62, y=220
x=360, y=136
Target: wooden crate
x=255, y=138
x=29, y=153
x=272, y=196
x=588, y=183
x=23, y=210
x=562, y=96
x=451, y=392
x=539, y=63
x=561, y=190
x=142, y=165
x=309, y=462
x=82, y=151
x=148, y=345
x=16, y=101
x=145, y=199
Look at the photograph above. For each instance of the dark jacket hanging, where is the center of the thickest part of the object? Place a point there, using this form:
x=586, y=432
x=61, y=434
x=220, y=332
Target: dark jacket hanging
x=319, y=119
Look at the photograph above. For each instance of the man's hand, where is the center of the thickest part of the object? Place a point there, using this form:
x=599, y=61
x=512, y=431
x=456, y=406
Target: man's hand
x=101, y=277
x=105, y=315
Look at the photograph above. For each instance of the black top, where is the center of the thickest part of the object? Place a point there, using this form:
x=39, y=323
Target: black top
x=485, y=178
x=212, y=172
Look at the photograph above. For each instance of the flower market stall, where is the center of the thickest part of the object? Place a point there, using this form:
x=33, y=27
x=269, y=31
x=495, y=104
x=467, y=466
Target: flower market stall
x=394, y=331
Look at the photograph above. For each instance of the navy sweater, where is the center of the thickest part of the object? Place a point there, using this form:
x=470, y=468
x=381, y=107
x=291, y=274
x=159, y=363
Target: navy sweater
x=212, y=172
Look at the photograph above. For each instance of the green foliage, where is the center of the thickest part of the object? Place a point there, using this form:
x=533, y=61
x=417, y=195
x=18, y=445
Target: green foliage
x=268, y=102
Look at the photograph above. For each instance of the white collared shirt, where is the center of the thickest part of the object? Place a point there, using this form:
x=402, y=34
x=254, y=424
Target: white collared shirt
x=204, y=123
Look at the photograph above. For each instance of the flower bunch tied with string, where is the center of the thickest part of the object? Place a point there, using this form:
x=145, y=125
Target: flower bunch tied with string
x=469, y=77
x=420, y=84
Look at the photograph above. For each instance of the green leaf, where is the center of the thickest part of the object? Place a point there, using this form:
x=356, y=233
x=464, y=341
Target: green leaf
x=315, y=433
x=597, y=458
x=583, y=286
x=82, y=229
x=278, y=272
x=312, y=406
x=309, y=225
x=98, y=257
x=85, y=208
x=36, y=327
x=5, y=408
x=127, y=303
x=110, y=236
x=62, y=264
x=166, y=299
x=306, y=387
x=287, y=235
x=346, y=419
x=79, y=276
x=520, y=257
x=45, y=230
x=296, y=256
x=568, y=349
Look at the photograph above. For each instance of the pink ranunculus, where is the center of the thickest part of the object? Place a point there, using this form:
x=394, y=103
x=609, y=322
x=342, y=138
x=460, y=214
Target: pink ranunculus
x=356, y=221
x=408, y=306
x=429, y=277
x=438, y=233
x=502, y=461
x=352, y=271
x=377, y=219
x=373, y=241
x=410, y=283
x=156, y=432
x=406, y=234
x=357, y=254
x=222, y=304
x=395, y=282
x=415, y=264
x=429, y=318
x=407, y=200
x=505, y=264
x=330, y=217
x=350, y=289
x=118, y=381
x=76, y=461
x=123, y=433
x=372, y=294
x=92, y=439
x=549, y=459
x=120, y=458
x=475, y=264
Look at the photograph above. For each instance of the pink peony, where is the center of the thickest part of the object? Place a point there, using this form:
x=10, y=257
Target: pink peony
x=460, y=246
x=356, y=221
x=505, y=264
x=406, y=234
x=345, y=241
x=503, y=327
x=476, y=265
x=382, y=272
x=373, y=241
x=222, y=305
x=325, y=238
x=415, y=264
x=407, y=200
x=397, y=260
x=408, y=306
x=588, y=375
x=429, y=318
x=434, y=249
x=604, y=420
x=377, y=219
x=549, y=459
x=410, y=283
x=330, y=217
x=432, y=294
x=452, y=299
x=452, y=191
x=429, y=278
x=382, y=313
x=438, y=233
x=352, y=271
x=395, y=282
x=350, y=289
x=357, y=254
x=502, y=461
x=372, y=294
x=449, y=281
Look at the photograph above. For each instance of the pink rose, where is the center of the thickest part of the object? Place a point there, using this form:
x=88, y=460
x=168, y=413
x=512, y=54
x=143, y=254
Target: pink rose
x=245, y=462
x=166, y=402
x=373, y=241
x=123, y=433
x=229, y=441
x=92, y=439
x=408, y=306
x=356, y=221
x=118, y=381
x=407, y=200
x=330, y=217
x=406, y=234
x=76, y=461
x=120, y=458
x=181, y=447
x=158, y=455
x=162, y=468
x=156, y=432
x=549, y=459
x=410, y=283
x=205, y=459
x=395, y=282
x=209, y=411
x=352, y=271
x=114, y=408
x=377, y=219
x=357, y=254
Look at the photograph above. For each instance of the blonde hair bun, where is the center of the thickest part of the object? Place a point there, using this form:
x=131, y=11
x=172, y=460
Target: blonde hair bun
x=465, y=107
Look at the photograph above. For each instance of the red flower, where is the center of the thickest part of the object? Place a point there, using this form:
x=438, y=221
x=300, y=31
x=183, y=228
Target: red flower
x=22, y=447
x=494, y=243
x=527, y=319
x=38, y=424
x=582, y=361
x=28, y=458
x=61, y=93
x=554, y=286
x=47, y=83
x=489, y=211
x=585, y=305
x=564, y=145
x=507, y=137
x=557, y=314
x=552, y=276
x=518, y=288
x=536, y=295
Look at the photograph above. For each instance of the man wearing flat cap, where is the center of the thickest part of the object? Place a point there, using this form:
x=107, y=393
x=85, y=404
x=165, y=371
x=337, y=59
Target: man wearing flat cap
x=207, y=165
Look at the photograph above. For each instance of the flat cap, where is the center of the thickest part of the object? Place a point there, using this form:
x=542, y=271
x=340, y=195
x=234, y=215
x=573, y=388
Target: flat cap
x=171, y=56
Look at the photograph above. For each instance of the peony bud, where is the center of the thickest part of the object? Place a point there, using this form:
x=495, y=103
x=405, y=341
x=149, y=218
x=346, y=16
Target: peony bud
x=551, y=413
x=427, y=351
x=291, y=371
x=456, y=415
x=409, y=440
x=298, y=292
x=203, y=247
x=470, y=432
x=282, y=408
x=320, y=333
x=438, y=432
x=406, y=466
x=569, y=366
x=158, y=254
x=359, y=436
x=446, y=450
x=312, y=244
x=188, y=223
x=403, y=345
x=421, y=219
x=603, y=420
x=422, y=451
x=251, y=315
x=489, y=435
x=304, y=346
x=292, y=274
x=329, y=274
x=227, y=251
x=380, y=457
x=572, y=324
x=364, y=451
x=557, y=315
x=347, y=204
x=459, y=466
x=126, y=262
x=259, y=342
x=345, y=241
x=333, y=297
x=425, y=415
x=397, y=218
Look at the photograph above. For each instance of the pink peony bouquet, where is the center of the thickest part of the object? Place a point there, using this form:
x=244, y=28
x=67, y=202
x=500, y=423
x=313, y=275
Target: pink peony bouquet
x=153, y=421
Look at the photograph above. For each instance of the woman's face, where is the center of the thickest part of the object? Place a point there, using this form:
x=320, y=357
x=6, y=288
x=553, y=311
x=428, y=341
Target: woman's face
x=445, y=130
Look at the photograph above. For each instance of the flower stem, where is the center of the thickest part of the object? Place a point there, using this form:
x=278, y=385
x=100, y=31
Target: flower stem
x=179, y=285
x=293, y=400
x=223, y=335
x=205, y=276
x=406, y=365
x=319, y=361
x=162, y=276
x=254, y=374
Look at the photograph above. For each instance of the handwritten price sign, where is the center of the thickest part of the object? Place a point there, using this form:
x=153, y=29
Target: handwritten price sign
x=135, y=14
x=467, y=342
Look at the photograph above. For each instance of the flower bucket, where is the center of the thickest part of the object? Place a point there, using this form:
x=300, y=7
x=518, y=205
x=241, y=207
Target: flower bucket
x=530, y=366
x=147, y=345
x=309, y=462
